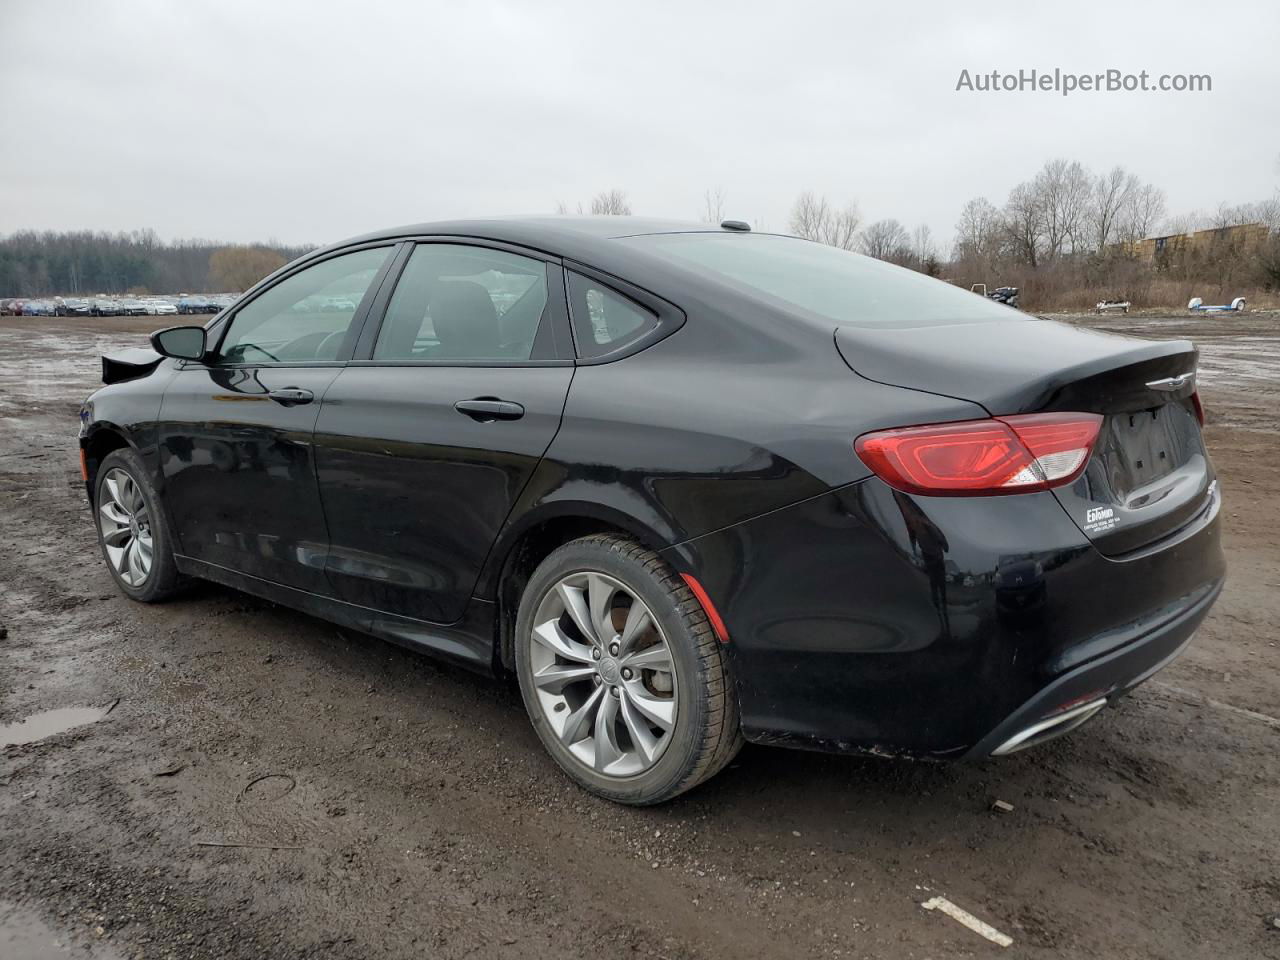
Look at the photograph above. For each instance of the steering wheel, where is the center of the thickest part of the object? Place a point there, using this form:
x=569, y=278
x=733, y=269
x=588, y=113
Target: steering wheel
x=337, y=335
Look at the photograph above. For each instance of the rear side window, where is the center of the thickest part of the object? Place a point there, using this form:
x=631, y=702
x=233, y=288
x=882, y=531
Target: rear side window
x=845, y=287
x=604, y=320
x=457, y=303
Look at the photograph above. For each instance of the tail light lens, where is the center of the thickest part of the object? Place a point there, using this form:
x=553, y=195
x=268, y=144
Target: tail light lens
x=1198, y=404
x=975, y=458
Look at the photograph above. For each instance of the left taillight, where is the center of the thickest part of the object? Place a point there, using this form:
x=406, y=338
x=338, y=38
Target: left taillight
x=974, y=458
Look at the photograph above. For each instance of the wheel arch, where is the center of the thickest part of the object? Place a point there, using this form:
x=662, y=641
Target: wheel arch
x=519, y=552
x=101, y=440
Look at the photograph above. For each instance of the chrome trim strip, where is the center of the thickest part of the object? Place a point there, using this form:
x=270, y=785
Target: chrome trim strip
x=1170, y=384
x=1059, y=723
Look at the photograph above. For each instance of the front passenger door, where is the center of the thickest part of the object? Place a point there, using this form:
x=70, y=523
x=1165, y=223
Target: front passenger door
x=236, y=430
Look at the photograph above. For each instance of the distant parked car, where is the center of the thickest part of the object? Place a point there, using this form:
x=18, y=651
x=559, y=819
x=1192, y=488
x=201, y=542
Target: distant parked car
x=194, y=305
x=132, y=307
x=160, y=308
x=38, y=308
x=337, y=305
x=10, y=308
x=74, y=307
x=103, y=307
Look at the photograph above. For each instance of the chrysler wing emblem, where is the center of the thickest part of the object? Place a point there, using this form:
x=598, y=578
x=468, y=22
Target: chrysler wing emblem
x=1170, y=384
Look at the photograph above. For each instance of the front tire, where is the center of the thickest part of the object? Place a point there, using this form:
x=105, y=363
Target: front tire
x=132, y=530
x=621, y=673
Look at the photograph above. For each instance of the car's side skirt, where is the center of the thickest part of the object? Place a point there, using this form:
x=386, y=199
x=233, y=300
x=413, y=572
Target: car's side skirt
x=469, y=642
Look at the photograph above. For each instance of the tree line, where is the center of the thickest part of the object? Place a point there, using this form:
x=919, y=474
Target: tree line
x=85, y=263
x=1067, y=237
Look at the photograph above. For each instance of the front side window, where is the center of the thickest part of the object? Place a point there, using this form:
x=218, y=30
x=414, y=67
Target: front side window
x=306, y=317
x=460, y=303
x=604, y=320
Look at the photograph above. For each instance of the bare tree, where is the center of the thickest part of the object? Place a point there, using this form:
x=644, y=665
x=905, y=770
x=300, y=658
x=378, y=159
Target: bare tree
x=1024, y=223
x=1228, y=215
x=1141, y=215
x=1184, y=223
x=713, y=205
x=813, y=218
x=1113, y=193
x=842, y=229
x=1062, y=188
x=978, y=232
x=1268, y=213
x=885, y=240
x=808, y=216
x=922, y=248
x=613, y=202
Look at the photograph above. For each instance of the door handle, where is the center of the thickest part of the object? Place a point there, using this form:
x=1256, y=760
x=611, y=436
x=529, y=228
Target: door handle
x=291, y=396
x=488, y=409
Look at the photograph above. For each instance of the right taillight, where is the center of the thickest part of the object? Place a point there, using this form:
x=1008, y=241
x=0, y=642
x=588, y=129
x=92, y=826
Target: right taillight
x=1198, y=404
x=975, y=458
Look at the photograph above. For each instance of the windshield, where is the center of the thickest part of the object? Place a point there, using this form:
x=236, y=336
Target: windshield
x=847, y=288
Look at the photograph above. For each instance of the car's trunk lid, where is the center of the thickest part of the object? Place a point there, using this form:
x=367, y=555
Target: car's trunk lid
x=1149, y=473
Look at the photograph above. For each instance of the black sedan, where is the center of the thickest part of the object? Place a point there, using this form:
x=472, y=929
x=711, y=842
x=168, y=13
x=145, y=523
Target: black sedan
x=73, y=307
x=688, y=485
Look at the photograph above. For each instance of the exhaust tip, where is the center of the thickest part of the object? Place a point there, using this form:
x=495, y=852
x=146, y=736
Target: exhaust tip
x=1050, y=727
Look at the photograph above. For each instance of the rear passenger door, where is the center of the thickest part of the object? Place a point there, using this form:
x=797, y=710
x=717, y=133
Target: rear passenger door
x=426, y=439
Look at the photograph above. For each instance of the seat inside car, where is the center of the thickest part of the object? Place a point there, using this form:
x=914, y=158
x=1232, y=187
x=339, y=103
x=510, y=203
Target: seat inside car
x=462, y=315
x=465, y=320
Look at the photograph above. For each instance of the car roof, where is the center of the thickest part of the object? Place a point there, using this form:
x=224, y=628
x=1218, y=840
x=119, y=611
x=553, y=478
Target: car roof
x=582, y=239
x=566, y=236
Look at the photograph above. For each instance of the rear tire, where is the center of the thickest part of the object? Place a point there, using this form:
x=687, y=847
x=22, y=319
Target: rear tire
x=132, y=530
x=637, y=705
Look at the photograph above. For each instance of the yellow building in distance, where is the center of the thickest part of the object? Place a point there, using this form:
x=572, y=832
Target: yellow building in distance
x=1240, y=236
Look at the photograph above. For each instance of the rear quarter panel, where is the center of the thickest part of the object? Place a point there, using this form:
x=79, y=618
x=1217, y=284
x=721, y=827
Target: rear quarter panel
x=710, y=427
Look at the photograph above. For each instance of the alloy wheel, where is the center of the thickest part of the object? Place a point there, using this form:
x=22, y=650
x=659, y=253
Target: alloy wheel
x=603, y=674
x=125, y=523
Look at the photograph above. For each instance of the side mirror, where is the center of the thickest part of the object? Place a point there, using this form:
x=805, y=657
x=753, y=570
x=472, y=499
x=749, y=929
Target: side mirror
x=181, y=343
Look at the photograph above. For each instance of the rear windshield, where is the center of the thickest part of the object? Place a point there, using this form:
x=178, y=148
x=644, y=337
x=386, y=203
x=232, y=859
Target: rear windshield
x=845, y=287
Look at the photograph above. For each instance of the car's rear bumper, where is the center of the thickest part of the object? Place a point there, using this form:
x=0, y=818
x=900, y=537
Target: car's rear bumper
x=1065, y=703
x=866, y=620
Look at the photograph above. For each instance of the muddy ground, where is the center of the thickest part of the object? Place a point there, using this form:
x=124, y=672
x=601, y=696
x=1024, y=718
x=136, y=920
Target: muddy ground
x=417, y=817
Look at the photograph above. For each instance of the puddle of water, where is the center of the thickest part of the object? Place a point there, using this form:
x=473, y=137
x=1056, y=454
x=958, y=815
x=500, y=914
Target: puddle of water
x=24, y=936
x=41, y=725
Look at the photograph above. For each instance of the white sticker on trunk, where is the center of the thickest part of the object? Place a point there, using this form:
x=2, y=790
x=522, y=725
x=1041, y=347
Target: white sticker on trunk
x=1099, y=519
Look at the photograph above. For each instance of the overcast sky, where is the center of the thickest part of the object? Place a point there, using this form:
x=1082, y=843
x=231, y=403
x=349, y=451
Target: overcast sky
x=316, y=120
